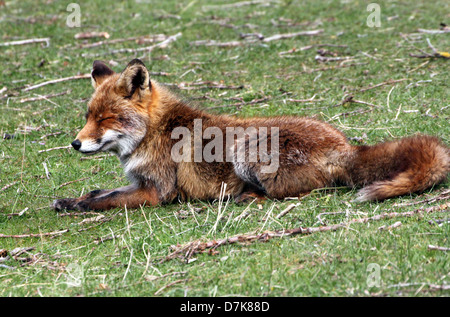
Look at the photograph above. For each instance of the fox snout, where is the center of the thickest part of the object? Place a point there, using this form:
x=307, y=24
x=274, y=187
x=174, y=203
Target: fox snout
x=108, y=141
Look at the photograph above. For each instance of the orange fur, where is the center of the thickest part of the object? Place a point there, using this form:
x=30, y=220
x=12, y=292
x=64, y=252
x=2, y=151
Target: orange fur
x=134, y=117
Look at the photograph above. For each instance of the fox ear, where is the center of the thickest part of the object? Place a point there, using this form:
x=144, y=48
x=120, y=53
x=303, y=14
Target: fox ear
x=99, y=73
x=134, y=78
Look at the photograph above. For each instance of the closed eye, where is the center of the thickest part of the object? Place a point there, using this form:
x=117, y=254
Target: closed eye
x=103, y=119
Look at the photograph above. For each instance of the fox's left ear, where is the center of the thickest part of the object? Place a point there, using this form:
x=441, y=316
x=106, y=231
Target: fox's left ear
x=99, y=73
x=134, y=78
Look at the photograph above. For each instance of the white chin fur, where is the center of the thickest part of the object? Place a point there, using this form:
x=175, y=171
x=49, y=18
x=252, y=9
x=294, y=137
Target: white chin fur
x=108, y=141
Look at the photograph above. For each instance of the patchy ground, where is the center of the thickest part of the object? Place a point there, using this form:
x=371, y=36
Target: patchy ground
x=314, y=58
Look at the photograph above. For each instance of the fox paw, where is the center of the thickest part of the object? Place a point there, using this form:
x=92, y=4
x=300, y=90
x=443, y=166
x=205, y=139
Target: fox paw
x=67, y=203
x=71, y=204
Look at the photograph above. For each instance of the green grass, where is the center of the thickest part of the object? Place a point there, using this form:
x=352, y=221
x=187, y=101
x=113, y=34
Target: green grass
x=332, y=263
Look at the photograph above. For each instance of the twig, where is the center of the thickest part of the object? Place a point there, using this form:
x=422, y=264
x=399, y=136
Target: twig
x=147, y=49
x=198, y=246
x=431, y=286
x=7, y=267
x=97, y=157
x=393, y=226
x=47, y=173
x=257, y=38
x=398, y=112
x=77, y=180
x=439, y=221
x=314, y=70
x=159, y=74
x=138, y=39
x=291, y=35
x=102, y=240
x=218, y=44
x=388, y=105
x=323, y=59
x=240, y=104
x=50, y=134
x=436, y=53
x=357, y=111
x=305, y=100
x=169, y=285
x=419, y=81
x=443, y=195
x=204, y=85
x=319, y=45
x=246, y=212
x=77, y=214
x=445, y=30
x=99, y=218
x=59, y=80
x=45, y=40
x=433, y=247
x=287, y=209
x=153, y=277
x=349, y=98
x=91, y=35
x=44, y=97
x=431, y=46
x=236, y=4
x=319, y=218
x=56, y=148
x=34, y=235
x=19, y=213
x=389, y=82
x=8, y=186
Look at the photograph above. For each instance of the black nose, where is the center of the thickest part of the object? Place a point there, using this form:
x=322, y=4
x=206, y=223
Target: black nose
x=76, y=144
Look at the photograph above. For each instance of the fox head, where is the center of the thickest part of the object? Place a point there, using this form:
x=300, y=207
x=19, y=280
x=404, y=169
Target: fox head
x=117, y=115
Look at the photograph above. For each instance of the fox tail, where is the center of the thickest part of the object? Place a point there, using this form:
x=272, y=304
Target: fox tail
x=400, y=167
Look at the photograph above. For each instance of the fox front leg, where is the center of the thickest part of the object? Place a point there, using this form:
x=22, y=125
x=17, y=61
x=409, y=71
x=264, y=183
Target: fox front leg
x=130, y=196
x=71, y=203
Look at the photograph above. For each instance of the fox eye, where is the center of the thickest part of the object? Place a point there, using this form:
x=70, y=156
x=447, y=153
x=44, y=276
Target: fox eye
x=103, y=119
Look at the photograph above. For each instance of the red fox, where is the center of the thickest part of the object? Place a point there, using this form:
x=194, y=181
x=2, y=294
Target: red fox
x=141, y=121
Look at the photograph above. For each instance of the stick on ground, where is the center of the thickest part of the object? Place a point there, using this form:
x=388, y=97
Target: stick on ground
x=56, y=148
x=59, y=80
x=34, y=235
x=45, y=40
x=147, y=49
x=291, y=35
x=198, y=246
x=437, y=248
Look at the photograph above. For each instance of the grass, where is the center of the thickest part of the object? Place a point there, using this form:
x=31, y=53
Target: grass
x=127, y=262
